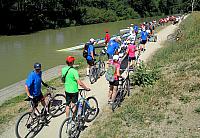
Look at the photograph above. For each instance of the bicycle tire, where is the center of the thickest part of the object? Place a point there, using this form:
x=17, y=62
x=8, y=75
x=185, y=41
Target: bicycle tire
x=171, y=37
x=117, y=101
x=103, y=69
x=90, y=111
x=34, y=119
x=71, y=127
x=128, y=86
x=92, y=75
x=57, y=105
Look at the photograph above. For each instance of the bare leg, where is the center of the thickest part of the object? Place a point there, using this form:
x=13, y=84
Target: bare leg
x=114, y=93
x=110, y=93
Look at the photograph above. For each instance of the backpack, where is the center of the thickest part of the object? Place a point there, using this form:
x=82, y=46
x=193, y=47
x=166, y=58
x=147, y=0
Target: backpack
x=110, y=73
x=85, y=50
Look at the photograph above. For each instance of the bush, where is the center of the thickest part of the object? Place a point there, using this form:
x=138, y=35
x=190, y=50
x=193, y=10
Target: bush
x=144, y=77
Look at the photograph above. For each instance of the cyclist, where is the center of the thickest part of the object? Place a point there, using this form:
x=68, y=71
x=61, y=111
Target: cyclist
x=131, y=53
x=144, y=35
x=90, y=56
x=107, y=37
x=33, y=86
x=72, y=81
x=114, y=85
x=112, y=48
x=136, y=29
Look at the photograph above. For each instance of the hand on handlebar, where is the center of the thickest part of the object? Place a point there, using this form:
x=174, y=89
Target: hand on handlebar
x=87, y=89
x=31, y=97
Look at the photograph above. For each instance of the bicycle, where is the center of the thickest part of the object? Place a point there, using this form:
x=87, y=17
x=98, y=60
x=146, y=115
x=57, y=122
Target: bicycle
x=86, y=111
x=176, y=36
x=29, y=124
x=97, y=70
x=123, y=90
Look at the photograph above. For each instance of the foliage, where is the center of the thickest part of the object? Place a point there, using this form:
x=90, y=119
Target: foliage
x=144, y=77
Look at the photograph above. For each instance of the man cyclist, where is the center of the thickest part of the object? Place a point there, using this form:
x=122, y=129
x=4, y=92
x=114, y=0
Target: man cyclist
x=112, y=48
x=107, y=37
x=72, y=81
x=90, y=57
x=33, y=86
x=144, y=35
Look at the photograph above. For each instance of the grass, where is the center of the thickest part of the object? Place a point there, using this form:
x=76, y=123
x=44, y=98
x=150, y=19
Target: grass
x=169, y=107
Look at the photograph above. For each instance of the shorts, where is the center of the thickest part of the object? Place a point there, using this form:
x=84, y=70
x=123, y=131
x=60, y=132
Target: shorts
x=90, y=62
x=38, y=99
x=71, y=97
x=144, y=42
x=109, y=56
x=114, y=83
x=131, y=58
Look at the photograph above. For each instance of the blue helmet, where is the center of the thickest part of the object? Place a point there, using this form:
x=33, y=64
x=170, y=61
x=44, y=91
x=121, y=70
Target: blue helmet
x=37, y=66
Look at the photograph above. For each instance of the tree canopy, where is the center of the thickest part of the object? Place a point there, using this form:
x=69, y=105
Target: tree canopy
x=25, y=16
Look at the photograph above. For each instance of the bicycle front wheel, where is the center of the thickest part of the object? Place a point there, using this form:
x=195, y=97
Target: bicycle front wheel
x=27, y=125
x=91, y=109
x=69, y=128
x=103, y=69
x=93, y=75
x=57, y=105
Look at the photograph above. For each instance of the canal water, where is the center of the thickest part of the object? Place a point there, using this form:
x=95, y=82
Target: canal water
x=19, y=53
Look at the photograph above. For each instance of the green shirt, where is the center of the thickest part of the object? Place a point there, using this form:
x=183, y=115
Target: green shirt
x=71, y=85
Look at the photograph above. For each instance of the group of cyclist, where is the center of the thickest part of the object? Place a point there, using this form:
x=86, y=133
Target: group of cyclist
x=113, y=49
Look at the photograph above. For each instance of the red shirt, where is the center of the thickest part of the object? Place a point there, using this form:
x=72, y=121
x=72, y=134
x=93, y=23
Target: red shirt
x=107, y=37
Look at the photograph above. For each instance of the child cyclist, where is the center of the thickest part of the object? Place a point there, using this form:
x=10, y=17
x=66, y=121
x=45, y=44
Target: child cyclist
x=131, y=49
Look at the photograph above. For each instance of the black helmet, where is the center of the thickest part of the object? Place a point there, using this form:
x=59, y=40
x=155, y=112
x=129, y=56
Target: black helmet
x=37, y=66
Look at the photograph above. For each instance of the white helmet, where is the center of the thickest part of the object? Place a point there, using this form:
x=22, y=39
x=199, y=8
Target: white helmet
x=115, y=57
x=92, y=40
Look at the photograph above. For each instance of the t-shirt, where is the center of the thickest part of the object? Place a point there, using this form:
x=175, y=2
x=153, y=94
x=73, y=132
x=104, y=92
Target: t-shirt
x=112, y=47
x=117, y=66
x=131, y=50
x=107, y=37
x=144, y=35
x=33, y=82
x=90, y=49
x=136, y=28
x=71, y=85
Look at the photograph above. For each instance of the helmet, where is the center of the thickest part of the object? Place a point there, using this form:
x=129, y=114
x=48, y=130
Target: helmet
x=92, y=40
x=70, y=59
x=115, y=57
x=37, y=65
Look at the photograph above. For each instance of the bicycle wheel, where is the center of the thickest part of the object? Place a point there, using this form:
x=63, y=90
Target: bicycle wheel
x=69, y=128
x=103, y=69
x=171, y=37
x=90, y=109
x=27, y=125
x=57, y=105
x=128, y=86
x=92, y=75
x=117, y=101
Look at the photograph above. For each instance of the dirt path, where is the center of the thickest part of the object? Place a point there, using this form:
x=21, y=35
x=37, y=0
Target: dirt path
x=99, y=90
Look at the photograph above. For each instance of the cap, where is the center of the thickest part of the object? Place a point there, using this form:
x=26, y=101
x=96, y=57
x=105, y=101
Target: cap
x=115, y=57
x=92, y=40
x=70, y=59
x=37, y=65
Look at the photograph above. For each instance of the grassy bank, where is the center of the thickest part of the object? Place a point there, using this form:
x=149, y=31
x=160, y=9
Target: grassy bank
x=170, y=107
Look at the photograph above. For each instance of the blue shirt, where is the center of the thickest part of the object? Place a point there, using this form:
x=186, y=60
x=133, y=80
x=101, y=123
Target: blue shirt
x=33, y=82
x=144, y=35
x=136, y=28
x=112, y=47
x=90, y=49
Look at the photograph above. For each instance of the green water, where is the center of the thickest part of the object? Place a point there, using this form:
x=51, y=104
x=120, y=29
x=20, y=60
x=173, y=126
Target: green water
x=18, y=53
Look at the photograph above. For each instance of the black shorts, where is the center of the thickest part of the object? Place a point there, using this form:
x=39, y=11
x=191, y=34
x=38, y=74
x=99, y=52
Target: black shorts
x=114, y=83
x=38, y=99
x=131, y=58
x=71, y=97
x=90, y=62
x=144, y=42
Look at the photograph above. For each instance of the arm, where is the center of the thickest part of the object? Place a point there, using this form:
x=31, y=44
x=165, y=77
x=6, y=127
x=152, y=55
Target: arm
x=82, y=84
x=27, y=90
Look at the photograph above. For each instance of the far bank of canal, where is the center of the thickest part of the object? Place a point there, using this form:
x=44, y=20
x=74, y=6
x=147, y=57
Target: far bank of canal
x=19, y=53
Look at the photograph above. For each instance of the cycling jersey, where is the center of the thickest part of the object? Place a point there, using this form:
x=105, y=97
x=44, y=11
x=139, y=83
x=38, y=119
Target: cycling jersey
x=144, y=35
x=90, y=49
x=112, y=47
x=71, y=85
x=33, y=83
x=107, y=38
x=131, y=50
x=136, y=28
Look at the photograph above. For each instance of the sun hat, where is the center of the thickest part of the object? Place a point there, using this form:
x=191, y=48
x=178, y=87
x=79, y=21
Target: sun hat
x=70, y=59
